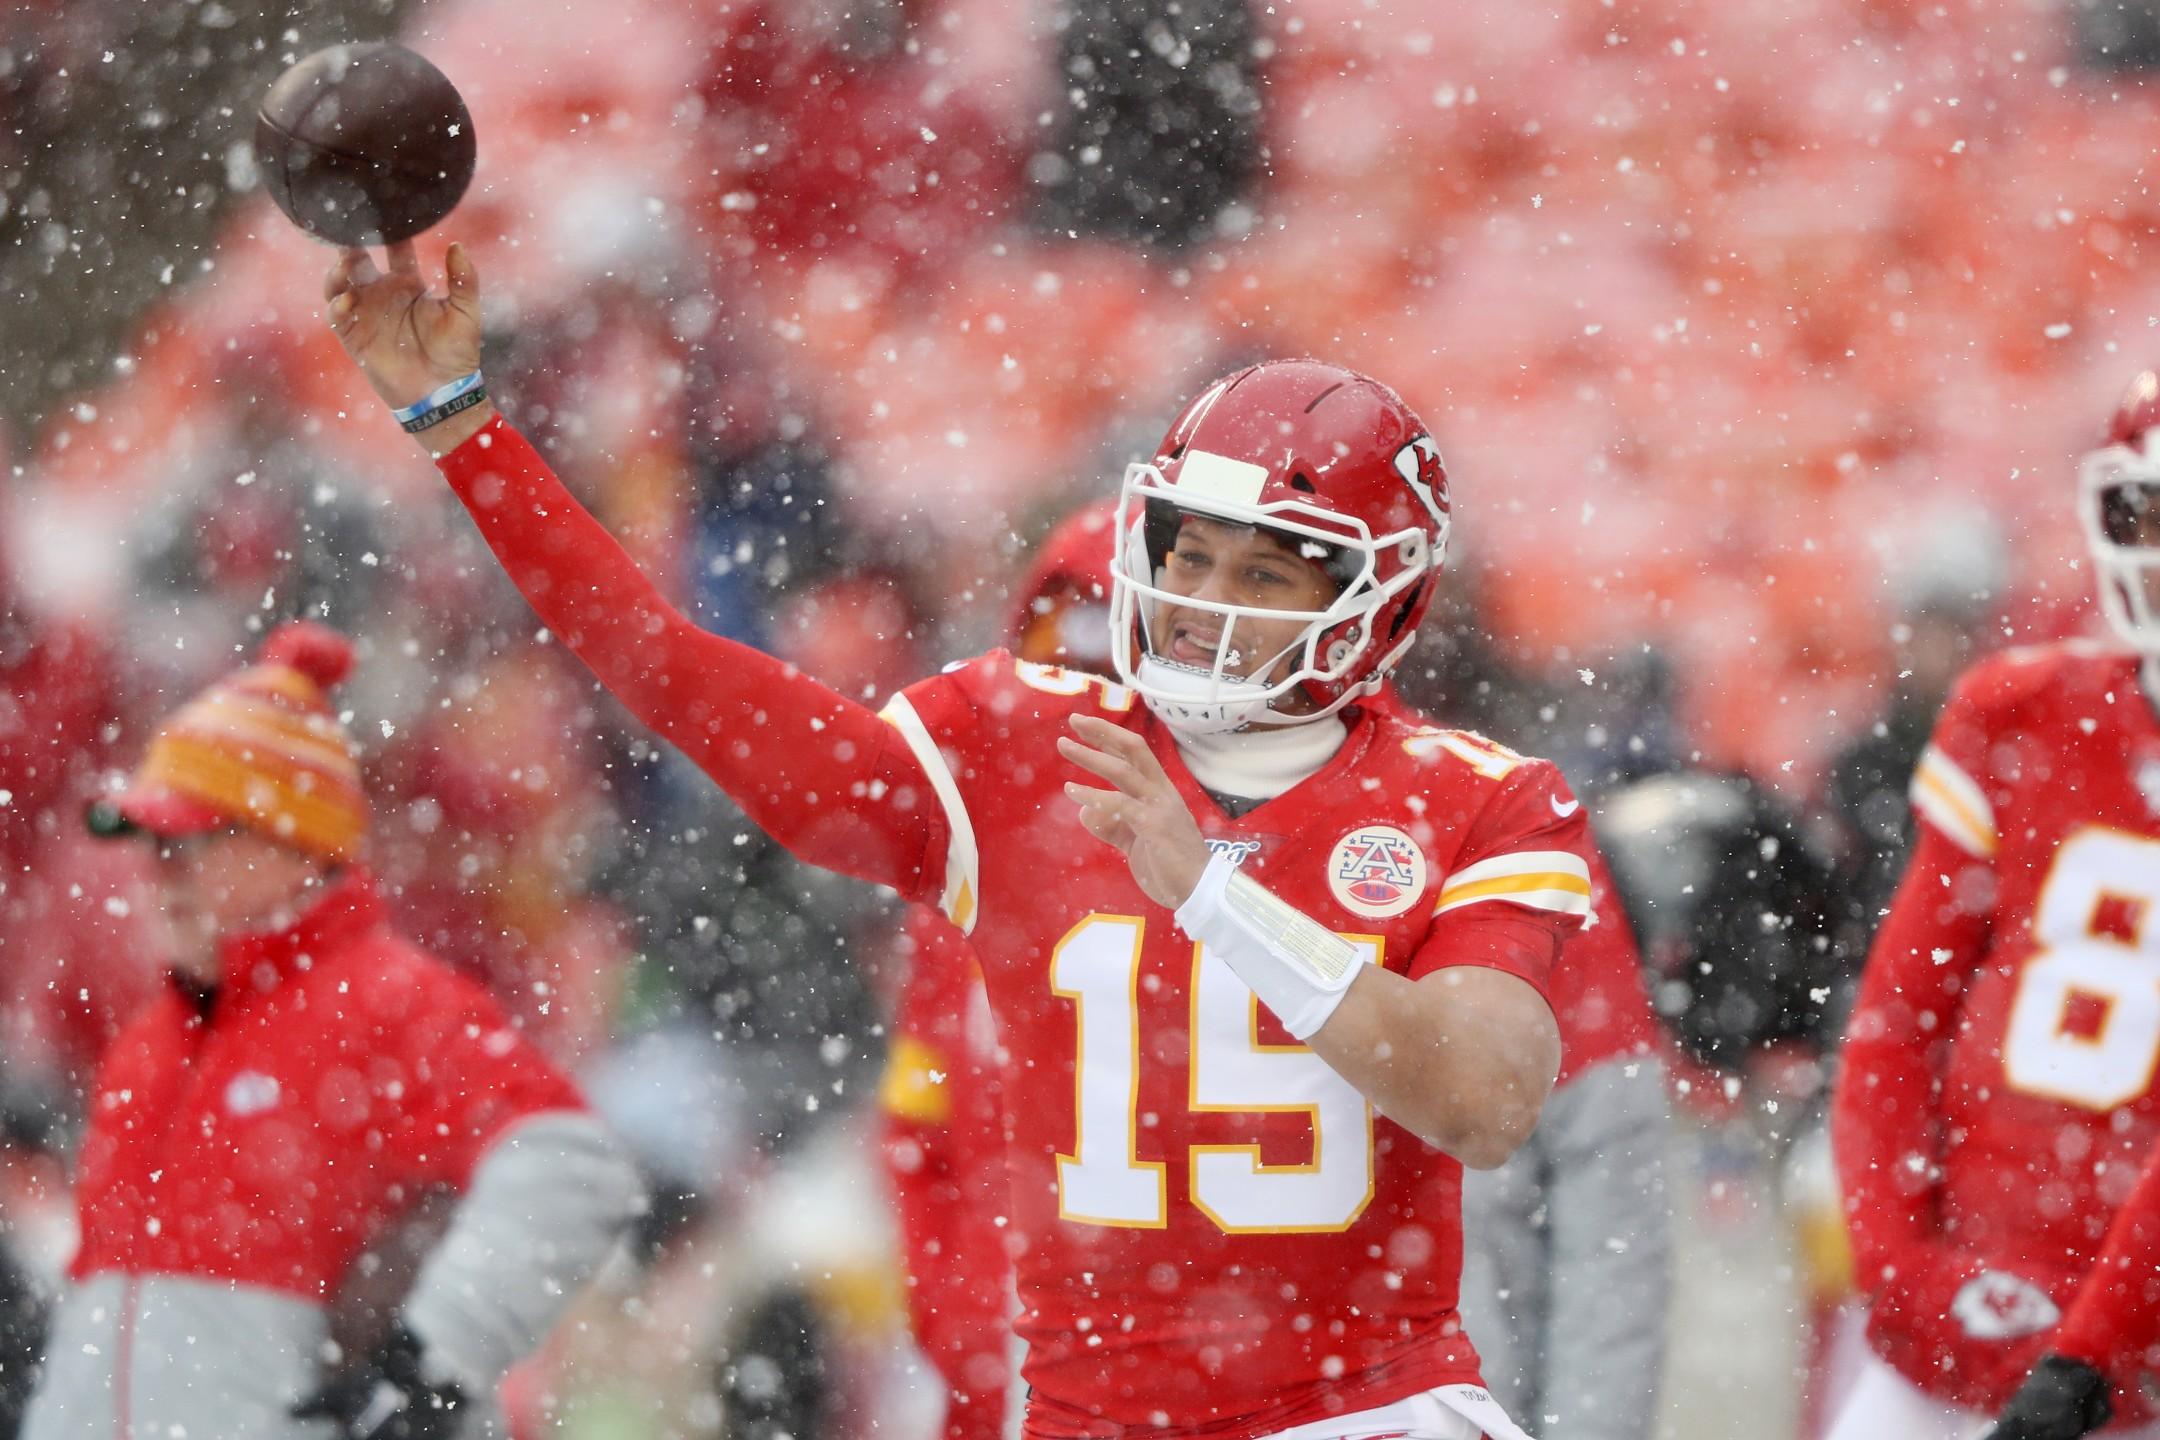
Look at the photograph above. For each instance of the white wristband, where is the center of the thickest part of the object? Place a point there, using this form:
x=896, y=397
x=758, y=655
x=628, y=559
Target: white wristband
x=1298, y=967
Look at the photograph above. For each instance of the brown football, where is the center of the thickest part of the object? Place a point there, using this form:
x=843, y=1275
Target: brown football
x=364, y=144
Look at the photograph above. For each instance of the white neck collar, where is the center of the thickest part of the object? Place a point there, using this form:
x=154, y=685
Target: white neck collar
x=1264, y=761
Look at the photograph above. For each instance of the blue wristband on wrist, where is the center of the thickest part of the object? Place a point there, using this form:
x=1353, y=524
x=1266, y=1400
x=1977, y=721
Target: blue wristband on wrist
x=436, y=399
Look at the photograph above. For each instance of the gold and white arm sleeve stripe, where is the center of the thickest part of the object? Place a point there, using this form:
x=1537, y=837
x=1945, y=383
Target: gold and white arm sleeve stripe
x=963, y=874
x=1556, y=880
x=1953, y=802
x=1298, y=967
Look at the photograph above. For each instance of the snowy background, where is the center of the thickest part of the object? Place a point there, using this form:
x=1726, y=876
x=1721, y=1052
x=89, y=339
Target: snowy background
x=1755, y=331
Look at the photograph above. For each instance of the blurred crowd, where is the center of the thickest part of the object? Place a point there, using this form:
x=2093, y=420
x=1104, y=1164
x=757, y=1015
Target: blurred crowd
x=1761, y=337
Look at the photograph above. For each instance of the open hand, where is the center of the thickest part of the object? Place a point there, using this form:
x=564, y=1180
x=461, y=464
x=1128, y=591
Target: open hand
x=1143, y=816
x=407, y=340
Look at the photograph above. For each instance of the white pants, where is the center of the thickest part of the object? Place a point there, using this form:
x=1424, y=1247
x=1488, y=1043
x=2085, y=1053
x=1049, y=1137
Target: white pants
x=1453, y=1412
x=1884, y=1405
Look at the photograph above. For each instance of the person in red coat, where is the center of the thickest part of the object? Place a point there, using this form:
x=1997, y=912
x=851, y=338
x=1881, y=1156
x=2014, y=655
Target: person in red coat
x=303, y=1078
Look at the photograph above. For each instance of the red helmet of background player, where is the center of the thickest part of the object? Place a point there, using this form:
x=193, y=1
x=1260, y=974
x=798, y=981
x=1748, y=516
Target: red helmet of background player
x=1061, y=613
x=2119, y=506
x=1330, y=460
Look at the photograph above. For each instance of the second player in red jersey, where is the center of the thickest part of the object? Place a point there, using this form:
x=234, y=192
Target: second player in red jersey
x=1998, y=1100
x=1268, y=964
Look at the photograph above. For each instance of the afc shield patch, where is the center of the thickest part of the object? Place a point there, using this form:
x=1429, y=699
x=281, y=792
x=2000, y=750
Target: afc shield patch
x=1376, y=871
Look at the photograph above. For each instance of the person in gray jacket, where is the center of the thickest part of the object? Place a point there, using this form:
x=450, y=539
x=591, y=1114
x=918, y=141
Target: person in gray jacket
x=1567, y=1248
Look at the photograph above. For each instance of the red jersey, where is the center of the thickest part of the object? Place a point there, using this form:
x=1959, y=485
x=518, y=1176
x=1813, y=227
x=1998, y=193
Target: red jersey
x=1216, y=1231
x=945, y=1140
x=1998, y=1098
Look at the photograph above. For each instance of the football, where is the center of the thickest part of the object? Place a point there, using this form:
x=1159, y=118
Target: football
x=364, y=144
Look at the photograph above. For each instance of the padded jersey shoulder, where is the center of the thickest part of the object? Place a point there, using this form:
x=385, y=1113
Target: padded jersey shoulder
x=2014, y=680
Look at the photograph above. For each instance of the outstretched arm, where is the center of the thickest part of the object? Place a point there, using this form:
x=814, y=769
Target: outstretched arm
x=820, y=773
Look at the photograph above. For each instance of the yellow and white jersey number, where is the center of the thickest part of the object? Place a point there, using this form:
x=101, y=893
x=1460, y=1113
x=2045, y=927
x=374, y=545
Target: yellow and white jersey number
x=2085, y=1025
x=1105, y=1182
x=1488, y=758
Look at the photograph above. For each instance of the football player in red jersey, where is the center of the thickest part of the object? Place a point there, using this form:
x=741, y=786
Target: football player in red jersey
x=1258, y=1029
x=1997, y=1101
x=944, y=1122
x=1567, y=1250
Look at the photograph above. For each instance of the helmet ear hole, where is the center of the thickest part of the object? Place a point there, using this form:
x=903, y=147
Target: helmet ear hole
x=1302, y=481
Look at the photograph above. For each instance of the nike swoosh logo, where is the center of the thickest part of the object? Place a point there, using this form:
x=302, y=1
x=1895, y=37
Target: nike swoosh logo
x=1563, y=811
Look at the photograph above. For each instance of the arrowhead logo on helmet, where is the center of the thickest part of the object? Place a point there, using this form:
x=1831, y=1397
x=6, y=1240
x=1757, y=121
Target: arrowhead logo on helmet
x=1423, y=470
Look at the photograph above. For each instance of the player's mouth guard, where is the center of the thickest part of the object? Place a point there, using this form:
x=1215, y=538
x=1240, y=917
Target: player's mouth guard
x=1298, y=967
x=1214, y=698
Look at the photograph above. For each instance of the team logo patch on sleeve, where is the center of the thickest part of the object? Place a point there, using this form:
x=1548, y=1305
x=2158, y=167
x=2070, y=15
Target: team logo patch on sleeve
x=1376, y=871
x=1995, y=1306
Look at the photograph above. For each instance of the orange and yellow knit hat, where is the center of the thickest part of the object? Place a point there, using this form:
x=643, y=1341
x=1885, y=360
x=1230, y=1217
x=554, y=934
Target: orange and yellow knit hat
x=262, y=749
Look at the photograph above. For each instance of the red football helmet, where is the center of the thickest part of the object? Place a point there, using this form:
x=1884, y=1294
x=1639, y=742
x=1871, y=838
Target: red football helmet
x=2119, y=505
x=1327, y=457
x=1060, y=613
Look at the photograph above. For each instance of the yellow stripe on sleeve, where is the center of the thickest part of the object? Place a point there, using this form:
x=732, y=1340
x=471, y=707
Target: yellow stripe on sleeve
x=1950, y=800
x=1556, y=880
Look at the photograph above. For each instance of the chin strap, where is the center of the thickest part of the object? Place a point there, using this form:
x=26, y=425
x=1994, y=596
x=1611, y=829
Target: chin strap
x=1193, y=703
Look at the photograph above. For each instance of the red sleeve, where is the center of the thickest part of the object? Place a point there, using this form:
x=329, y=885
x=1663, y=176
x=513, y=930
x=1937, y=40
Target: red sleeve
x=1953, y=789
x=1882, y=1123
x=1520, y=885
x=944, y=1152
x=2115, y=1319
x=821, y=774
x=1597, y=988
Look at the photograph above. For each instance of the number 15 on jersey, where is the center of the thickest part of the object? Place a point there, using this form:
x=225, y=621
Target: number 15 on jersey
x=1105, y=1182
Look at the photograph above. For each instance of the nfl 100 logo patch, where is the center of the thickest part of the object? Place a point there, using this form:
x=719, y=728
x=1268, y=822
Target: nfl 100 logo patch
x=1376, y=871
